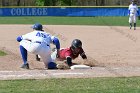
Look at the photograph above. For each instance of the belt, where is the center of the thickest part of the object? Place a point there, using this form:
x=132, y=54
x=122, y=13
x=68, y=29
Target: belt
x=40, y=42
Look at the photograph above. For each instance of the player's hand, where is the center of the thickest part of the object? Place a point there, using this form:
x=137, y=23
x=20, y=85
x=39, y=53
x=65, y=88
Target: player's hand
x=57, y=55
x=88, y=63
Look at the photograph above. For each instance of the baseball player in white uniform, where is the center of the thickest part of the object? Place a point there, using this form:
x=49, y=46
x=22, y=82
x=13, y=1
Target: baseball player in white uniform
x=132, y=12
x=38, y=43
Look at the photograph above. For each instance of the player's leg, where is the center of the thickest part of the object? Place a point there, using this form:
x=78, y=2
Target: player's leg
x=134, y=20
x=25, y=46
x=134, y=26
x=130, y=21
x=55, y=59
x=45, y=53
x=53, y=55
x=49, y=64
x=29, y=46
x=24, y=53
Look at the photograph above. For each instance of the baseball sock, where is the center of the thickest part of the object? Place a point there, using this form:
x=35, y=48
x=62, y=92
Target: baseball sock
x=23, y=52
x=130, y=24
x=134, y=24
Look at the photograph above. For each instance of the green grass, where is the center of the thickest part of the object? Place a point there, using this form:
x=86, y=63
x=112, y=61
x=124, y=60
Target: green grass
x=103, y=21
x=2, y=53
x=90, y=85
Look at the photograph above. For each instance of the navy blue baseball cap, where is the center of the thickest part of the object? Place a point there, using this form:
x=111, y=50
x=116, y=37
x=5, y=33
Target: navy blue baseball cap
x=37, y=26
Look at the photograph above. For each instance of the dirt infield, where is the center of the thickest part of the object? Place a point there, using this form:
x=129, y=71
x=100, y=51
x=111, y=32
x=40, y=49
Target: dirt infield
x=114, y=50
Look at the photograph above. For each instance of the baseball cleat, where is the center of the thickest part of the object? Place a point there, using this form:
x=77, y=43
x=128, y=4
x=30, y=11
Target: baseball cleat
x=37, y=58
x=25, y=66
x=134, y=28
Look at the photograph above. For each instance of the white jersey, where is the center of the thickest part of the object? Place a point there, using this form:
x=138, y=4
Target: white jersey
x=38, y=42
x=38, y=36
x=133, y=9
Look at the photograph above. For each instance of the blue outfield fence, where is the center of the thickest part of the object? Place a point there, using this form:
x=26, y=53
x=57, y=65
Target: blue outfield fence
x=64, y=11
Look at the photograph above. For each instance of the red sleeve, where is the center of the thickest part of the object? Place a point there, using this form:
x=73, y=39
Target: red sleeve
x=67, y=53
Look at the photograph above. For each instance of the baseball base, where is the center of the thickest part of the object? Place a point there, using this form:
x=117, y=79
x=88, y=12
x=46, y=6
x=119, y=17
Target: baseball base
x=80, y=67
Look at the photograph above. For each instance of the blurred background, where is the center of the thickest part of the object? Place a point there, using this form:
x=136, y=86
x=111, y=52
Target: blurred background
x=65, y=2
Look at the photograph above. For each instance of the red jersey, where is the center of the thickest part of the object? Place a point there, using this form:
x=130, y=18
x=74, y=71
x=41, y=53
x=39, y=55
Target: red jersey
x=67, y=52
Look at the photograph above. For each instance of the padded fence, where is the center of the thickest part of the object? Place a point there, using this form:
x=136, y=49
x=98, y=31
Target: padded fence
x=64, y=11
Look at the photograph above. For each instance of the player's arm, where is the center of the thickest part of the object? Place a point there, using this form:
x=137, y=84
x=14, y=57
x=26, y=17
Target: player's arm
x=82, y=54
x=27, y=36
x=128, y=12
x=69, y=61
x=86, y=61
x=19, y=38
x=138, y=11
x=138, y=14
x=56, y=42
x=68, y=58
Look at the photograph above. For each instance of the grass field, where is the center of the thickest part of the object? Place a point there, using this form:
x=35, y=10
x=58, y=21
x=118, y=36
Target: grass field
x=2, y=53
x=103, y=21
x=90, y=85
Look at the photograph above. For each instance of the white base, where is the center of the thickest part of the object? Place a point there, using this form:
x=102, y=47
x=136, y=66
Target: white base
x=80, y=67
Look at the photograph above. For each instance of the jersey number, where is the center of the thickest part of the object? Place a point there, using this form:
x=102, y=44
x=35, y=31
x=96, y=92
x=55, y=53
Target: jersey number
x=41, y=35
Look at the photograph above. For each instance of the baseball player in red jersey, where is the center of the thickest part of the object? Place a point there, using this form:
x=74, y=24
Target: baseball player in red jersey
x=70, y=53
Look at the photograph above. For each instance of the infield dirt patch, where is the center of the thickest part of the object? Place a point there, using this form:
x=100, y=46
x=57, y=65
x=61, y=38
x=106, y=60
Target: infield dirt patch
x=106, y=46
